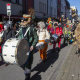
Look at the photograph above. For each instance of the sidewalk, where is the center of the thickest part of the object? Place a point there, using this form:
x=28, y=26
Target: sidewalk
x=71, y=67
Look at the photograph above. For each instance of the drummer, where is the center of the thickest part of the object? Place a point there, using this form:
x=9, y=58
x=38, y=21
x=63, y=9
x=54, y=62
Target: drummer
x=43, y=36
x=57, y=30
x=8, y=33
x=32, y=37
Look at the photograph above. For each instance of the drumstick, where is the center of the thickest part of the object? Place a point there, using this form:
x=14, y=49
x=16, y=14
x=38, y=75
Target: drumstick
x=18, y=32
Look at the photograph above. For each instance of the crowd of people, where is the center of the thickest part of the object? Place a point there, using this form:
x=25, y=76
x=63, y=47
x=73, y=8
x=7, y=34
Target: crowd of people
x=38, y=36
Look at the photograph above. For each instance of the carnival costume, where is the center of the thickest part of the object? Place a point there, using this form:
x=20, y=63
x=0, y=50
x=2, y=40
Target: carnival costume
x=1, y=34
x=50, y=24
x=58, y=31
x=43, y=36
x=31, y=36
x=66, y=34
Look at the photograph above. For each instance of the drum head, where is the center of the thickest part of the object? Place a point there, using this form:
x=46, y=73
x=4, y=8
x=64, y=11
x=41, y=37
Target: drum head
x=22, y=50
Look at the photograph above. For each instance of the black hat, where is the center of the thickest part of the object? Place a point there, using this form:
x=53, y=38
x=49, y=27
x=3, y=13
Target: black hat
x=55, y=24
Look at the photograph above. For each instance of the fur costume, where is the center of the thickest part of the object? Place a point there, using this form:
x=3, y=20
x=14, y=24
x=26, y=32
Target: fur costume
x=77, y=37
x=43, y=35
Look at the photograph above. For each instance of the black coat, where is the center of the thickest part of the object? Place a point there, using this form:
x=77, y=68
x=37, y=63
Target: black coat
x=10, y=34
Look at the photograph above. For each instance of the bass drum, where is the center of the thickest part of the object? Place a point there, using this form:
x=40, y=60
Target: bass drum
x=16, y=51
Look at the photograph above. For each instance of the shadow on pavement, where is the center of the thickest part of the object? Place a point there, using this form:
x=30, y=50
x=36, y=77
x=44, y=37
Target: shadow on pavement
x=43, y=66
x=36, y=50
x=1, y=63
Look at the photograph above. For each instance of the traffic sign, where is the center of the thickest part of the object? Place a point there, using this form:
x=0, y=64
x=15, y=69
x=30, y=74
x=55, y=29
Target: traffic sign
x=9, y=12
x=8, y=6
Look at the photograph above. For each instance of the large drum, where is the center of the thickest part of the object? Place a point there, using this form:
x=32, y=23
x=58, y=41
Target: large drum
x=16, y=51
x=55, y=37
x=40, y=45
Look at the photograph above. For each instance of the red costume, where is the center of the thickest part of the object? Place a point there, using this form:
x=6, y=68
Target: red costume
x=49, y=28
x=59, y=32
x=1, y=29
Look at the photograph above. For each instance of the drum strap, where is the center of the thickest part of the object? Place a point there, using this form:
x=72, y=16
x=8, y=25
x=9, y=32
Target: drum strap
x=26, y=32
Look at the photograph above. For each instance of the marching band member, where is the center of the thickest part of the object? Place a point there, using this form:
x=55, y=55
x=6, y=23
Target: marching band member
x=1, y=34
x=32, y=37
x=43, y=35
x=8, y=33
x=57, y=30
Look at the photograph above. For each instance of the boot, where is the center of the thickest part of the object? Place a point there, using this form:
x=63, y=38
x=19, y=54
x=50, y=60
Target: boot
x=27, y=76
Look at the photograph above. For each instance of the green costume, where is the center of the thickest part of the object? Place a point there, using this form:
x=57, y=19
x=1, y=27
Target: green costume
x=33, y=39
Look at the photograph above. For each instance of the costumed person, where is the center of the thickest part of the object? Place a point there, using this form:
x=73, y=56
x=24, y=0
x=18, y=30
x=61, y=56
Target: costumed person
x=77, y=38
x=32, y=37
x=58, y=31
x=50, y=24
x=73, y=15
x=63, y=21
x=66, y=34
x=43, y=36
x=1, y=34
x=8, y=33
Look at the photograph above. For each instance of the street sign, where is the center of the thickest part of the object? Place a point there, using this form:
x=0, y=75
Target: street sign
x=8, y=9
x=8, y=6
x=8, y=12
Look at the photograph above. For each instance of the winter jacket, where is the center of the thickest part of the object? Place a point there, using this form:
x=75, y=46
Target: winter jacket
x=31, y=36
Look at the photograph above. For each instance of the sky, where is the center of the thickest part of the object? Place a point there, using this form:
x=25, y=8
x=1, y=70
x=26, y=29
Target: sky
x=75, y=3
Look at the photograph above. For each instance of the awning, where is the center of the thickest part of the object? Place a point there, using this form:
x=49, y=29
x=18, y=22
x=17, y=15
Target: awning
x=12, y=16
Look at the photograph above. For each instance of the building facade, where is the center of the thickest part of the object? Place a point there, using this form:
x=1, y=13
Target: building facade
x=67, y=10
x=40, y=7
x=76, y=11
x=63, y=8
x=16, y=9
x=52, y=8
x=59, y=9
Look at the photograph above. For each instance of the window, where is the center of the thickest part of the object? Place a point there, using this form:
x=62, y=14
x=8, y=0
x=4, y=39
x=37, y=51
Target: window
x=51, y=11
x=40, y=7
x=45, y=8
x=17, y=1
x=9, y=0
x=56, y=1
x=54, y=12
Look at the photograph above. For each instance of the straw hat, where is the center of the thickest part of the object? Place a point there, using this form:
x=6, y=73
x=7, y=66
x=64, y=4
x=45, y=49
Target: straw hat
x=26, y=16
